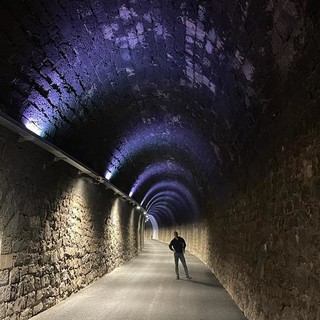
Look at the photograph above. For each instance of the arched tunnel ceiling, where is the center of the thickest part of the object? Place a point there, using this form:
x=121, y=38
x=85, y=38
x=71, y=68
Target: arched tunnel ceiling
x=161, y=97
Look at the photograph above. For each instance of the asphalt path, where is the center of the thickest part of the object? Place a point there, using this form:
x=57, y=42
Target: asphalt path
x=146, y=288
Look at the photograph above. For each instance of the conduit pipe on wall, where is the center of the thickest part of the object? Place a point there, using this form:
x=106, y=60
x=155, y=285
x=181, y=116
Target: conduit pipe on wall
x=27, y=135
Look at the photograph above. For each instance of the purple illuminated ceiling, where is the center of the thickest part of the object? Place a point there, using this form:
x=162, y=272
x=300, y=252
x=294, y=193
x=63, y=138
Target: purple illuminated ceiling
x=158, y=96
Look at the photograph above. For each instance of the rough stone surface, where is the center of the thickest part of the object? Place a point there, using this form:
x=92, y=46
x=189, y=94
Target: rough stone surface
x=206, y=112
x=63, y=231
x=264, y=245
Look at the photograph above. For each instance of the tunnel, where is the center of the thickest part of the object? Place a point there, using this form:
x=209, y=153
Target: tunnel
x=123, y=121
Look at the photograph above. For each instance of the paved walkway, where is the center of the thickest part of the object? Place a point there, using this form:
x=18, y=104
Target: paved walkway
x=146, y=289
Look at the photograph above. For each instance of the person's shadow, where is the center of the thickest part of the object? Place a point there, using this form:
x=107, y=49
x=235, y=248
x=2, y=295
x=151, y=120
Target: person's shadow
x=215, y=284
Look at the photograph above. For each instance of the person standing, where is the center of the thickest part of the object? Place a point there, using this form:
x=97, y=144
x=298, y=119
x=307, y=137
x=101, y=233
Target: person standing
x=178, y=246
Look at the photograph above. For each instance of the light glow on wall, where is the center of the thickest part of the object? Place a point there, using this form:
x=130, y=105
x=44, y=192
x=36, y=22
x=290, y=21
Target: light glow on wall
x=38, y=121
x=115, y=213
x=155, y=227
x=34, y=128
x=108, y=175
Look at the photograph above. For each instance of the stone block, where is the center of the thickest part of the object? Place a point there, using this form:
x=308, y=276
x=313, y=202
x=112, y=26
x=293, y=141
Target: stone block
x=15, y=292
x=4, y=277
x=39, y=295
x=51, y=301
x=9, y=309
x=22, y=259
x=37, y=283
x=34, y=269
x=28, y=284
x=31, y=299
x=5, y=294
x=26, y=314
x=19, y=305
x=14, y=275
x=36, y=309
x=34, y=222
x=24, y=270
x=53, y=256
x=63, y=290
x=19, y=245
x=45, y=281
x=2, y=310
x=6, y=261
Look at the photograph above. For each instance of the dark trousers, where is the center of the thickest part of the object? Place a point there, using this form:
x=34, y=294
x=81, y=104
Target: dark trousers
x=177, y=256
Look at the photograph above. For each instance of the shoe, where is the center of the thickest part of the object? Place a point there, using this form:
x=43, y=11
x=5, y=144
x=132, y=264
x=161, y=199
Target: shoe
x=177, y=278
x=188, y=277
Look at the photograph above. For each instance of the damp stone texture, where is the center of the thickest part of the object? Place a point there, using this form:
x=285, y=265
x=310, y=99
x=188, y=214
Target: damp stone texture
x=58, y=231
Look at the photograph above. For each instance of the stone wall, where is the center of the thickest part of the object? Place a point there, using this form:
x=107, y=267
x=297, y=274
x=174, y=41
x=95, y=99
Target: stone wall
x=58, y=231
x=264, y=247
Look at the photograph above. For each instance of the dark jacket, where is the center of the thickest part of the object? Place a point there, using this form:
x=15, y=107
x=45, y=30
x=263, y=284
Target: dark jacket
x=178, y=245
